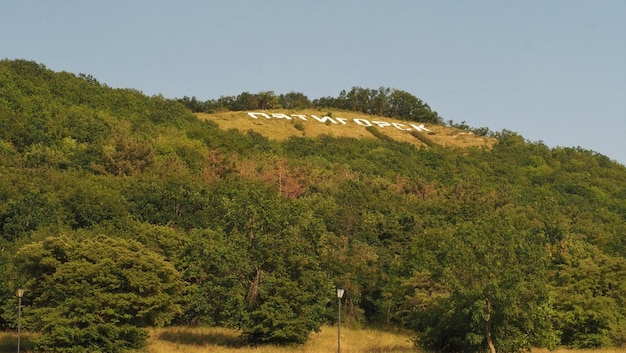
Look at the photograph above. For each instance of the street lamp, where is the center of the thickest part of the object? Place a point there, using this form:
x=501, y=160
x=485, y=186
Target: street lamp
x=340, y=292
x=20, y=293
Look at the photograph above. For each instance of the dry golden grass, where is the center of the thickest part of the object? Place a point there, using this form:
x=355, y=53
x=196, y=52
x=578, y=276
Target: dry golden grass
x=564, y=350
x=220, y=340
x=281, y=129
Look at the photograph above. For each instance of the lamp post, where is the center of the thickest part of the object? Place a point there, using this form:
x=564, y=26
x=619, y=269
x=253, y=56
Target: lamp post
x=20, y=293
x=340, y=292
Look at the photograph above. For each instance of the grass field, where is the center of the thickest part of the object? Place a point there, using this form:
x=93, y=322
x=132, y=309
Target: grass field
x=221, y=340
x=200, y=340
x=281, y=129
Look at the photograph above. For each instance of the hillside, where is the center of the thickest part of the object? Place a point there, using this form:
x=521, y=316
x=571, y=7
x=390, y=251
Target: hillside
x=120, y=212
x=301, y=123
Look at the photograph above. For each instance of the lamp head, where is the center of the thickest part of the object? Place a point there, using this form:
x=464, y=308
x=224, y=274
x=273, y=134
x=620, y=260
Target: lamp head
x=340, y=292
x=19, y=292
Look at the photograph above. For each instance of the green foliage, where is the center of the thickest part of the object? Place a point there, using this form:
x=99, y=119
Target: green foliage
x=164, y=202
x=261, y=275
x=124, y=155
x=491, y=268
x=94, y=337
x=24, y=215
x=294, y=100
x=384, y=102
x=590, y=289
x=95, y=293
x=216, y=267
x=286, y=310
x=91, y=200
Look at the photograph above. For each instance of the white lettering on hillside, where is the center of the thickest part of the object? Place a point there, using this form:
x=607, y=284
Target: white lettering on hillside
x=324, y=119
x=343, y=121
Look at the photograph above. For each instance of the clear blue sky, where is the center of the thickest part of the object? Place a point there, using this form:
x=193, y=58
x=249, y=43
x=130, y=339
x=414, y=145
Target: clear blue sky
x=550, y=70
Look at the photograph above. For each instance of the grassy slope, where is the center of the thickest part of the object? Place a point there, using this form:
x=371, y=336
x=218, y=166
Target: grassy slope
x=280, y=129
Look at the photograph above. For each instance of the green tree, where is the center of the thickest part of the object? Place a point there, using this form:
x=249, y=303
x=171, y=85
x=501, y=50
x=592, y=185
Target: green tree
x=294, y=100
x=486, y=284
x=90, y=200
x=285, y=292
x=24, y=215
x=95, y=294
x=126, y=156
x=245, y=101
x=266, y=100
x=168, y=202
x=404, y=105
x=217, y=267
x=590, y=292
x=288, y=294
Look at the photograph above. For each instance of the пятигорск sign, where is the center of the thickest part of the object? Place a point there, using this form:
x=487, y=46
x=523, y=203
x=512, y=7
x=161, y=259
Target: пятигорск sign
x=344, y=121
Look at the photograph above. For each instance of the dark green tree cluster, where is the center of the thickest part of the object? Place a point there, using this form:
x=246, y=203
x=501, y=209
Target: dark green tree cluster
x=249, y=101
x=120, y=211
x=383, y=102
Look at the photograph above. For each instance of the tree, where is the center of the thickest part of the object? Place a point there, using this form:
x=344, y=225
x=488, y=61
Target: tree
x=216, y=267
x=91, y=200
x=193, y=104
x=288, y=294
x=245, y=101
x=95, y=294
x=281, y=291
x=384, y=102
x=266, y=100
x=294, y=100
x=590, y=290
x=24, y=215
x=126, y=156
x=485, y=284
x=172, y=202
x=404, y=105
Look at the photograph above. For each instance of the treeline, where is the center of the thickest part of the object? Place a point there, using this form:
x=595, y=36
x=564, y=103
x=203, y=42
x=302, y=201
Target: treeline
x=384, y=101
x=120, y=211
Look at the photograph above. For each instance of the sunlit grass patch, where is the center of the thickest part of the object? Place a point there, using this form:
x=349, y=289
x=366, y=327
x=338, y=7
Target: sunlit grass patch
x=200, y=336
x=221, y=340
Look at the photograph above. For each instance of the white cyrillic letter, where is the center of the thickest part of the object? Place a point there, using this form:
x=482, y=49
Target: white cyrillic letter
x=419, y=128
x=362, y=122
x=399, y=126
x=301, y=116
x=254, y=115
x=324, y=119
x=341, y=120
x=281, y=116
x=381, y=123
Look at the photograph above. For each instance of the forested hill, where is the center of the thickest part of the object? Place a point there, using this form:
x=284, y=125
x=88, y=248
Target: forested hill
x=120, y=211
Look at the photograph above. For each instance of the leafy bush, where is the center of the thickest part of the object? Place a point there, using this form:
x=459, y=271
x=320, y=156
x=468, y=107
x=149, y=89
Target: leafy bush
x=95, y=294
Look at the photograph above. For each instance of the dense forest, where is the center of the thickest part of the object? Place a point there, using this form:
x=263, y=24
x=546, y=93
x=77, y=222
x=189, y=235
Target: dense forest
x=120, y=211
